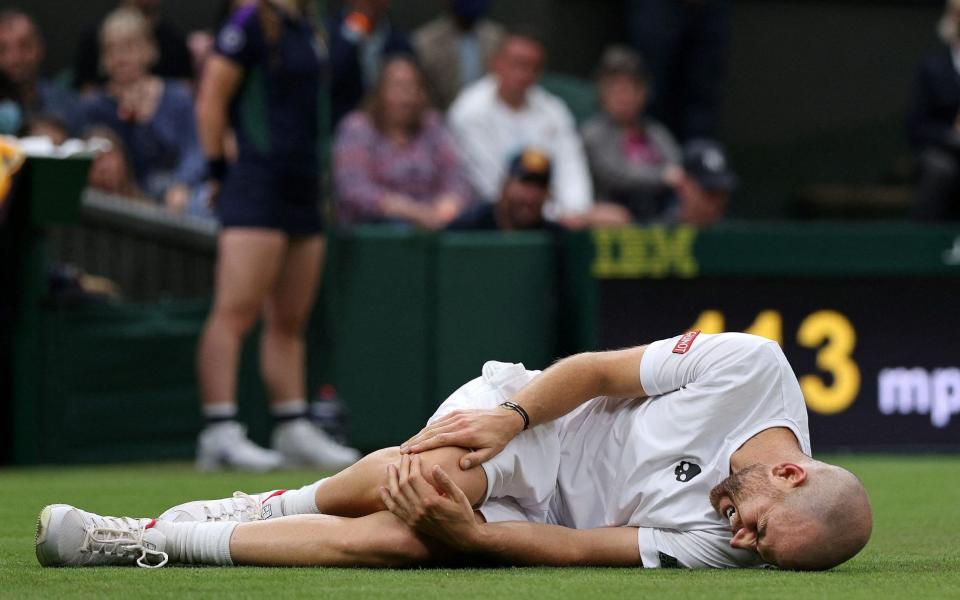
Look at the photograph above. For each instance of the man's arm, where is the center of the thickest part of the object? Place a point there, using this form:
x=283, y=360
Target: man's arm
x=556, y=392
x=533, y=544
x=449, y=518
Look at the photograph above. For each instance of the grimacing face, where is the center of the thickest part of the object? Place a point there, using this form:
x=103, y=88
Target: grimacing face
x=753, y=501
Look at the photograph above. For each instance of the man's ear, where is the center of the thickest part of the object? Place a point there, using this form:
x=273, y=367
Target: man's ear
x=790, y=474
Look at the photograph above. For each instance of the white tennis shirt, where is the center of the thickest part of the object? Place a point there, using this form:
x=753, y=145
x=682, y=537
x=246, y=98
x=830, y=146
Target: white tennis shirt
x=652, y=463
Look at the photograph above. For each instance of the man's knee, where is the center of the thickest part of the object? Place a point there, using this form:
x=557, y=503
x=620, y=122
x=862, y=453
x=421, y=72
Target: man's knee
x=473, y=481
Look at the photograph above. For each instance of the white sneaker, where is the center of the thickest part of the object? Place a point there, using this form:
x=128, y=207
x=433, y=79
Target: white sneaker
x=303, y=444
x=70, y=537
x=240, y=508
x=226, y=445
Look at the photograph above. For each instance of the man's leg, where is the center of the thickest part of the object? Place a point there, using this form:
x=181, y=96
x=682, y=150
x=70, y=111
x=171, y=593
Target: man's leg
x=68, y=536
x=354, y=492
x=377, y=540
x=372, y=539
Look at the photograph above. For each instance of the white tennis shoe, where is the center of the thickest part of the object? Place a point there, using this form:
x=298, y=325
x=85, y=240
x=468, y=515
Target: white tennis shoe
x=70, y=537
x=303, y=444
x=240, y=508
x=226, y=446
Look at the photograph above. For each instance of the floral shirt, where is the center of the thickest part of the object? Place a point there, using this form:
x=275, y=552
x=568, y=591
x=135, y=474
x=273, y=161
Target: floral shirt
x=368, y=166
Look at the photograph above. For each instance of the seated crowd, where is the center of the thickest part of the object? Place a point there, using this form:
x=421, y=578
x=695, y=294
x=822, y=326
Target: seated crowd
x=446, y=128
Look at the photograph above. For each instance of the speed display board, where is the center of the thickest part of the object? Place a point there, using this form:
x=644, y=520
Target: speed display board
x=877, y=356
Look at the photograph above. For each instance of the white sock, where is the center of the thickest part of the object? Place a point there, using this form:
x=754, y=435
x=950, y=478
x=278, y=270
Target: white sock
x=302, y=501
x=198, y=543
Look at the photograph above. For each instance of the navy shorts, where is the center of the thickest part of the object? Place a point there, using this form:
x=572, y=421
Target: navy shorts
x=252, y=197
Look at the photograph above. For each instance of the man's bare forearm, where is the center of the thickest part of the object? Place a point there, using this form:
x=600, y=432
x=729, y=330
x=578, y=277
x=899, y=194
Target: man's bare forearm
x=576, y=379
x=532, y=544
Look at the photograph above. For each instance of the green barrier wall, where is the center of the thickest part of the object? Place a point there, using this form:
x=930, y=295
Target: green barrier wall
x=494, y=301
x=405, y=318
x=412, y=317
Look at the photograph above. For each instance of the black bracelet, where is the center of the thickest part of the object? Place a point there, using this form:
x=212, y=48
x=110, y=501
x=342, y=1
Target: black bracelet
x=217, y=169
x=520, y=411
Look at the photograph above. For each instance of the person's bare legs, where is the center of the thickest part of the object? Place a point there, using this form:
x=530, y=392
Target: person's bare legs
x=377, y=540
x=286, y=311
x=355, y=491
x=355, y=530
x=248, y=263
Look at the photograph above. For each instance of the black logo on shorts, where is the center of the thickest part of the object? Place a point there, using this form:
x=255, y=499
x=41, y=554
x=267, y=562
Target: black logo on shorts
x=686, y=471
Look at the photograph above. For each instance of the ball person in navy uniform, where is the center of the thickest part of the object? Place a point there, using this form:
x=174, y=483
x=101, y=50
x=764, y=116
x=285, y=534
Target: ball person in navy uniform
x=264, y=82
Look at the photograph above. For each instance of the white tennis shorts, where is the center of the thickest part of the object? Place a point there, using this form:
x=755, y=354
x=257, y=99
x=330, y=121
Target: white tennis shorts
x=522, y=479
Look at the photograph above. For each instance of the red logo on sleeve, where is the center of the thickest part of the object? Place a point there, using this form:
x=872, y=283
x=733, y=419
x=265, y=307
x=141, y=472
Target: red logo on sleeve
x=685, y=342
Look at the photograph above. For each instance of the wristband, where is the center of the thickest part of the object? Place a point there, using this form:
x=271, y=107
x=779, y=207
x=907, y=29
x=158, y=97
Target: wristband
x=217, y=169
x=520, y=411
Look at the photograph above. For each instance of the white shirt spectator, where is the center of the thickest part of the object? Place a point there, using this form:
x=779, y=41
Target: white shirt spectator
x=489, y=133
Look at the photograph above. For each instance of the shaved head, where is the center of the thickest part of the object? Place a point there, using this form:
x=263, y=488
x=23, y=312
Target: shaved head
x=832, y=517
x=804, y=515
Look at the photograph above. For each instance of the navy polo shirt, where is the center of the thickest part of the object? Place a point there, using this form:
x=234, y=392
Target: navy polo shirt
x=276, y=114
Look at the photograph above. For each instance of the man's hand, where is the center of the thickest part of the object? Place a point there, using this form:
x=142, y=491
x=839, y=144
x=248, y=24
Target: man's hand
x=486, y=432
x=445, y=515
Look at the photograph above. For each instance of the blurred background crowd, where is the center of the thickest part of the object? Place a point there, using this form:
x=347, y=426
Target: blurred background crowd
x=423, y=125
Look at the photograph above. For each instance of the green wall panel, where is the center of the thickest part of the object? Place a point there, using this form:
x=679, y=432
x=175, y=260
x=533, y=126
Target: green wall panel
x=496, y=299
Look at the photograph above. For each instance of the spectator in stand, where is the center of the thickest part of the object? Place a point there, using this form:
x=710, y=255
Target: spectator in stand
x=172, y=61
x=455, y=48
x=394, y=160
x=519, y=206
x=153, y=116
x=933, y=124
x=505, y=111
x=685, y=43
x=110, y=172
x=361, y=37
x=271, y=246
x=21, y=53
x=703, y=192
x=48, y=126
x=634, y=159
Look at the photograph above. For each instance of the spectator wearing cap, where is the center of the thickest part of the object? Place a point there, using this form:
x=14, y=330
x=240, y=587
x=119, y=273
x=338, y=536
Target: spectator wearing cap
x=519, y=206
x=173, y=60
x=361, y=38
x=635, y=161
x=933, y=123
x=394, y=161
x=506, y=111
x=455, y=48
x=21, y=53
x=703, y=193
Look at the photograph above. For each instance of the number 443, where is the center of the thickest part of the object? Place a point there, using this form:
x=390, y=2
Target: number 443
x=828, y=332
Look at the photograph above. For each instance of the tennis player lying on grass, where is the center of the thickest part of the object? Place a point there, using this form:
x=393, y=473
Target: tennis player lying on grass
x=690, y=452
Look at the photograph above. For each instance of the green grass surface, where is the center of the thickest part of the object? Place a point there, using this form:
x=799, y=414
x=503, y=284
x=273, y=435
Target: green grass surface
x=914, y=553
